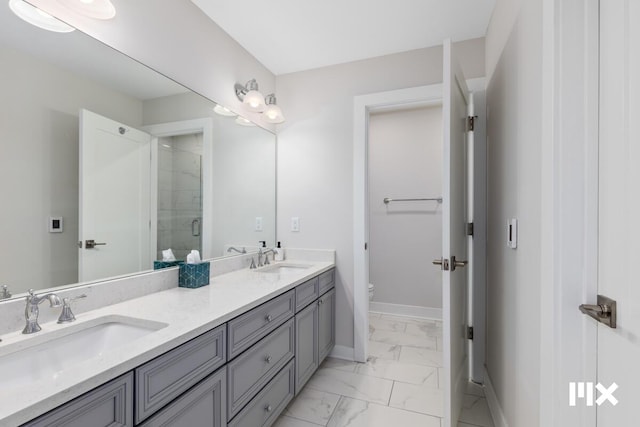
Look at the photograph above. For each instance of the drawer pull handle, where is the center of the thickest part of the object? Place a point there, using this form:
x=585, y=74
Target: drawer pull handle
x=268, y=318
x=268, y=408
x=268, y=359
x=320, y=301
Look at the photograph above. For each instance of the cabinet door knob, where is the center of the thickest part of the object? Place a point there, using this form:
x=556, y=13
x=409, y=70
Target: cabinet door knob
x=320, y=301
x=268, y=318
x=268, y=408
x=268, y=359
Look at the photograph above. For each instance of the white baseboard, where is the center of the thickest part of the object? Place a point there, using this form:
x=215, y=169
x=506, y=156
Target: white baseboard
x=499, y=420
x=406, y=310
x=342, y=352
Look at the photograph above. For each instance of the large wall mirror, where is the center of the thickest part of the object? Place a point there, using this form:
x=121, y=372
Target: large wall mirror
x=105, y=163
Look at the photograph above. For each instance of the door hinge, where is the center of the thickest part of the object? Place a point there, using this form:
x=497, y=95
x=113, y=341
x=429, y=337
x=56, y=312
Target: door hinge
x=470, y=123
x=469, y=229
x=469, y=333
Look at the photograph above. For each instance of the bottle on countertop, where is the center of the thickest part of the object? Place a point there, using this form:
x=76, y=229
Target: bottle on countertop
x=279, y=253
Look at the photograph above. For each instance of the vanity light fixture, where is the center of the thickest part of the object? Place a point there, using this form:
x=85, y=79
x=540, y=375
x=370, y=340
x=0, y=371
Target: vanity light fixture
x=273, y=113
x=244, y=122
x=223, y=111
x=37, y=17
x=96, y=9
x=252, y=99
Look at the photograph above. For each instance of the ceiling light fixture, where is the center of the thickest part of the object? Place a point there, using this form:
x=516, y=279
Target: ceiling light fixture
x=250, y=96
x=37, y=17
x=272, y=113
x=97, y=9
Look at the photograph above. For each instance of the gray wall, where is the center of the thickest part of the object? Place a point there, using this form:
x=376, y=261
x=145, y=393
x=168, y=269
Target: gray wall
x=514, y=104
x=39, y=166
x=315, y=150
x=405, y=161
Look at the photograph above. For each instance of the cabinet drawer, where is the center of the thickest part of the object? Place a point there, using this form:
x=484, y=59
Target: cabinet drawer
x=250, y=371
x=204, y=405
x=265, y=408
x=327, y=280
x=108, y=405
x=246, y=329
x=166, y=377
x=306, y=293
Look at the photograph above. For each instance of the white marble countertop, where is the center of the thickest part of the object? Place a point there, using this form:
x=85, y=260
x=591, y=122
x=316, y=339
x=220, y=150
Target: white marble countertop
x=187, y=312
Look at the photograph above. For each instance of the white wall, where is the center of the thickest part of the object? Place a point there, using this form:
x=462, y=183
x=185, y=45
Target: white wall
x=514, y=168
x=405, y=161
x=39, y=166
x=178, y=40
x=315, y=150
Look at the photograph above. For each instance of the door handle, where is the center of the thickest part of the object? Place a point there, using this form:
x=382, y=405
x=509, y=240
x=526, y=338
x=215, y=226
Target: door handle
x=90, y=244
x=605, y=311
x=442, y=262
x=455, y=263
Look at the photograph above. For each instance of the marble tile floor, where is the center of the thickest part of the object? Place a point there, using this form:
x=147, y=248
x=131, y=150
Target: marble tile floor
x=400, y=385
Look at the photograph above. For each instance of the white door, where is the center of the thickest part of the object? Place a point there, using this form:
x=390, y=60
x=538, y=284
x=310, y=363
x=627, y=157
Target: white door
x=456, y=105
x=619, y=205
x=115, y=166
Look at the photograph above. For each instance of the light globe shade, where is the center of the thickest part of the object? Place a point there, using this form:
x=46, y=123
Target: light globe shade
x=254, y=101
x=97, y=9
x=243, y=122
x=223, y=111
x=273, y=114
x=37, y=17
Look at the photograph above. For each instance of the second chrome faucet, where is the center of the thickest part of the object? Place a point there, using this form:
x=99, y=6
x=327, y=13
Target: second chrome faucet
x=32, y=310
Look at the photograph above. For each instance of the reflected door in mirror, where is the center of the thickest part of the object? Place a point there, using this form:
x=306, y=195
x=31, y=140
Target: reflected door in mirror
x=115, y=164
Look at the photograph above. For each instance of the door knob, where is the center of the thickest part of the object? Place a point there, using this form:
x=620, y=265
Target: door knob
x=90, y=244
x=605, y=311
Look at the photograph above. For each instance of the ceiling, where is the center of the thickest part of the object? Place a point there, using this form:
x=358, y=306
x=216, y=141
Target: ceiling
x=294, y=35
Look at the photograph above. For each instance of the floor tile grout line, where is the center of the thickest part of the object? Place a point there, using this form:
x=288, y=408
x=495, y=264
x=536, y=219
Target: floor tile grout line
x=300, y=419
x=335, y=409
x=391, y=394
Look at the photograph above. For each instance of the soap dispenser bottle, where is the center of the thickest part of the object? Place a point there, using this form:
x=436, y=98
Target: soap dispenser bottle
x=279, y=253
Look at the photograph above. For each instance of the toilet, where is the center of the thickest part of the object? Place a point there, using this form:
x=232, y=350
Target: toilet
x=371, y=292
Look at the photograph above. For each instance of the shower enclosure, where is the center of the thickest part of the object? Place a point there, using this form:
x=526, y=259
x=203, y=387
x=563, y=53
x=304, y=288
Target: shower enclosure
x=180, y=194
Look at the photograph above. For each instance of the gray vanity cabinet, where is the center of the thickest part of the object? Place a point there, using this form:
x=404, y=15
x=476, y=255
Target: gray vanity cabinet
x=110, y=405
x=202, y=406
x=164, y=378
x=306, y=344
x=265, y=408
x=326, y=324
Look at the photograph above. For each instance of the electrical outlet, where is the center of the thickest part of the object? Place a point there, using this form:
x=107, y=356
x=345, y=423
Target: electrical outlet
x=258, y=223
x=295, y=223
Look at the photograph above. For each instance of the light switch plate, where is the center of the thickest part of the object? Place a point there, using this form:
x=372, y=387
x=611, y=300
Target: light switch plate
x=295, y=223
x=258, y=223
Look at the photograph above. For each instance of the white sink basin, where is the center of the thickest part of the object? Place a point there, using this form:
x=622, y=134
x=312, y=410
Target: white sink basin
x=48, y=354
x=285, y=268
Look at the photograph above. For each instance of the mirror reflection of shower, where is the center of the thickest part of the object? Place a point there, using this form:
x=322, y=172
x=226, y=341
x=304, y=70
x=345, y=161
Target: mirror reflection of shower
x=180, y=194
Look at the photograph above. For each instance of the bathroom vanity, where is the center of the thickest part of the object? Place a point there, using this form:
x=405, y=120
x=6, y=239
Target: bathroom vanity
x=232, y=353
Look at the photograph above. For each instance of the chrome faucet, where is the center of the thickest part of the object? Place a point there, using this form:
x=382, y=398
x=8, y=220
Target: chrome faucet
x=67, y=315
x=243, y=251
x=32, y=311
x=5, y=292
x=266, y=257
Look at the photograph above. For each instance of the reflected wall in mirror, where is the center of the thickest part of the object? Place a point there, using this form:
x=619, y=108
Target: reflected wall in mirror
x=130, y=162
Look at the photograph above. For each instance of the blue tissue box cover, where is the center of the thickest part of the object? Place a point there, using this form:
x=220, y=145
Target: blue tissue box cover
x=157, y=265
x=193, y=275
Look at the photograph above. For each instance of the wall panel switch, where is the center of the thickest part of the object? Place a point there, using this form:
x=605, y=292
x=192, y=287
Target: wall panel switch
x=295, y=223
x=258, y=223
x=512, y=233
